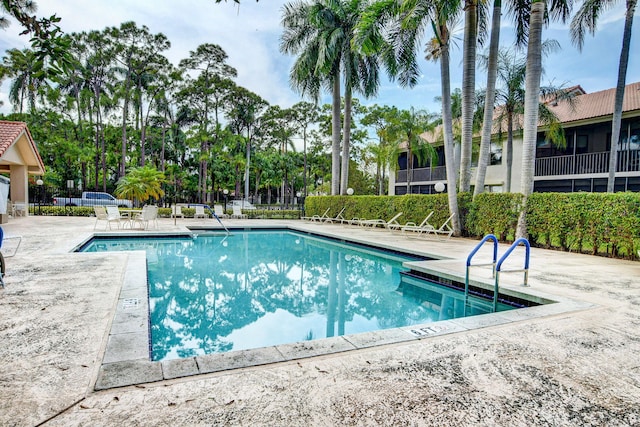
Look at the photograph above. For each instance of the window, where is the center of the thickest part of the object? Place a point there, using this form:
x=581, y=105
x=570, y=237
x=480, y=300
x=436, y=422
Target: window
x=496, y=154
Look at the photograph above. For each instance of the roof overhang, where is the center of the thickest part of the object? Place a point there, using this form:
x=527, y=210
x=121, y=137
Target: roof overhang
x=20, y=150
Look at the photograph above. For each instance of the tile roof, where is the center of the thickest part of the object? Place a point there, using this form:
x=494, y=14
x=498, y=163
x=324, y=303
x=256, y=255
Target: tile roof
x=10, y=132
x=597, y=104
x=587, y=106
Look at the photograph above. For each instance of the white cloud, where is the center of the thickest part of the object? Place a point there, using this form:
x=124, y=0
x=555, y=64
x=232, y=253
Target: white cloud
x=250, y=34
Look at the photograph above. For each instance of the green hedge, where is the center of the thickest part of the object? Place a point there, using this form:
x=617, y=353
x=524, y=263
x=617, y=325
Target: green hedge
x=494, y=213
x=414, y=207
x=595, y=223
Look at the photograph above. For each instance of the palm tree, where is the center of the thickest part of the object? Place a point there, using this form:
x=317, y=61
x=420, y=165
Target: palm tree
x=141, y=183
x=586, y=19
x=510, y=99
x=468, y=90
x=321, y=34
x=394, y=31
x=537, y=15
x=22, y=66
x=489, y=98
x=406, y=126
x=302, y=37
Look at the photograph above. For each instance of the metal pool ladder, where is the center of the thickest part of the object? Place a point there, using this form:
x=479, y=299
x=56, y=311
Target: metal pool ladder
x=497, y=265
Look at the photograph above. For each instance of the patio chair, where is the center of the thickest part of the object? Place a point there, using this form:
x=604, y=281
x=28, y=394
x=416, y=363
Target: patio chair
x=444, y=230
x=101, y=215
x=237, y=212
x=393, y=222
x=149, y=215
x=318, y=218
x=220, y=213
x=424, y=225
x=338, y=218
x=200, y=212
x=2, y=256
x=177, y=212
x=113, y=215
x=20, y=209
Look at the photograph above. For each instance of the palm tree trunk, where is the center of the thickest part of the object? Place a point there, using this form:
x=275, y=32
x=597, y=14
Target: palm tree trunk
x=617, y=111
x=125, y=114
x=344, y=173
x=509, y=153
x=490, y=98
x=468, y=91
x=448, y=139
x=531, y=101
x=335, y=136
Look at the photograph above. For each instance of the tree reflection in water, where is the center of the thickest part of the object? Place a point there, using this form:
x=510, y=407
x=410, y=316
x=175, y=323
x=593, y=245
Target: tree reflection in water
x=216, y=293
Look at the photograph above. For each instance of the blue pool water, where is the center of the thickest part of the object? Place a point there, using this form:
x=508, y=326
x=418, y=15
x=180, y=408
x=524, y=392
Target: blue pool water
x=216, y=293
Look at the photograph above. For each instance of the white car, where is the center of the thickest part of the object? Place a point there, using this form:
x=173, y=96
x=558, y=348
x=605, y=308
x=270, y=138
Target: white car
x=243, y=204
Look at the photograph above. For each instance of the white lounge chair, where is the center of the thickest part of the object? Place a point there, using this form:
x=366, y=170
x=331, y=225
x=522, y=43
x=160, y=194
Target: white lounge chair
x=113, y=215
x=237, y=212
x=217, y=209
x=381, y=222
x=177, y=212
x=200, y=212
x=444, y=230
x=422, y=227
x=338, y=218
x=318, y=218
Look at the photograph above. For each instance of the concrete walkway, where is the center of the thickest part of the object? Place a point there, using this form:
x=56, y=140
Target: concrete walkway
x=578, y=367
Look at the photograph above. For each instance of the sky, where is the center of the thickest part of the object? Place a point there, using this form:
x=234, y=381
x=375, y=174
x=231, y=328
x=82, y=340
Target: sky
x=250, y=35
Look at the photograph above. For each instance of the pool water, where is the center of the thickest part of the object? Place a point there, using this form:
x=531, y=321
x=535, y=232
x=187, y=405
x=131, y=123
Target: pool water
x=216, y=293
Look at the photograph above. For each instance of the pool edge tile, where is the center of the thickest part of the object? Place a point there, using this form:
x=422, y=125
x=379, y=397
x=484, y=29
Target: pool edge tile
x=303, y=349
x=238, y=359
x=381, y=337
x=131, y=372
x=177, y=368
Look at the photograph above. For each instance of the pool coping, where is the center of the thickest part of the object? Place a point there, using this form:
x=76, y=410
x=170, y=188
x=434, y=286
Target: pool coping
x=126, y=360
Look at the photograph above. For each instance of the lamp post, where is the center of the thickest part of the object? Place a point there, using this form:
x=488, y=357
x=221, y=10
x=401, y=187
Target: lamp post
x=226, y=194
x=70, y=185
x=300, y=203
x=349, y=191
x=39, y=183
x=439, y=187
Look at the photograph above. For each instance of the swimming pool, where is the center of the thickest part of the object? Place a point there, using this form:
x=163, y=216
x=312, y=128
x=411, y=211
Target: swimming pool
x=214, y=293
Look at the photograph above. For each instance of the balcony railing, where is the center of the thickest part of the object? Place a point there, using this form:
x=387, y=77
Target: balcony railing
x=439, y=173
x=590, y=163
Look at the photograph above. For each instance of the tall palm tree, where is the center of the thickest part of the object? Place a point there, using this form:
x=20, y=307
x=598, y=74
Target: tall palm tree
x=559, y=9
x=489, y=98
x=509, y=97
x=302, y=37
x=321, y=33
x=394, y=30
x=468, y=90
x=586, y=19
x=22, y=66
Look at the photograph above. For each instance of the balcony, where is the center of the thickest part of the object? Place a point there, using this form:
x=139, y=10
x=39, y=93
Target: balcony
x=587, y=164
x=439, y=173
x=580, y=164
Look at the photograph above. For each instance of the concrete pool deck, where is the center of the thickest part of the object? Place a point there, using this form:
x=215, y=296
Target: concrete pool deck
x=576, y=366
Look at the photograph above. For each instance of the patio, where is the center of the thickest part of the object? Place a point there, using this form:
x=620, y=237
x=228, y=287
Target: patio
x=570, y=368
